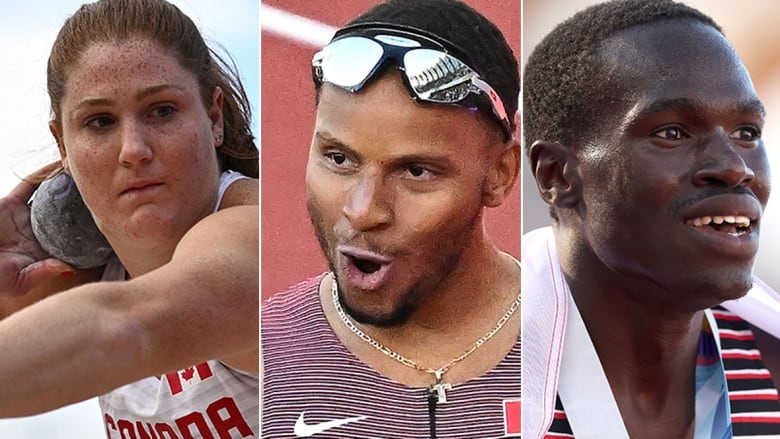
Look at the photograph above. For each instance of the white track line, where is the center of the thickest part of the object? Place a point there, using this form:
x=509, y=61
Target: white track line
x=300, y=29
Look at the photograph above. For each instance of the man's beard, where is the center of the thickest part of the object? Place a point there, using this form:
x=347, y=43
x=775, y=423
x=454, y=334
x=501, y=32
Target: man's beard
x=397, y=317
x=402, y=311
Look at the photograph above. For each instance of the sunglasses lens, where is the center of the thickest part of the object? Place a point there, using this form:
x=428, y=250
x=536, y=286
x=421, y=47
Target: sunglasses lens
x=433, y=75
x=347, y=63
x=436, y=76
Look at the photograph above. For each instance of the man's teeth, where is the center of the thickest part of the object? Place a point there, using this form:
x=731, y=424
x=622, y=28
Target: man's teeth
x=738, y=220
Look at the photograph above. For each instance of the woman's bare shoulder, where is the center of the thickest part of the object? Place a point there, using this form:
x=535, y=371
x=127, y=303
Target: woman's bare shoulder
x=243, y=192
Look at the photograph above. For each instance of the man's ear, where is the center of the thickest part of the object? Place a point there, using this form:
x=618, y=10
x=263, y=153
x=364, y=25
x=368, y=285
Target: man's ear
x=503, y=174
x=555, y=169
x=56, y=131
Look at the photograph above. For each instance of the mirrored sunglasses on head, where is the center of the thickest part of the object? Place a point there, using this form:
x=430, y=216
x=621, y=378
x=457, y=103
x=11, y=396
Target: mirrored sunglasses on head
x=432, y=72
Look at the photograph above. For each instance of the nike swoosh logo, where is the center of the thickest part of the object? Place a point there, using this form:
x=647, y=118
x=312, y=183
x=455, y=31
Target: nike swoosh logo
x=302, y=429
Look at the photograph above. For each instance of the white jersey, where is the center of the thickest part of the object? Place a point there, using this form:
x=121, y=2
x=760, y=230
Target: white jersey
x=207, y=400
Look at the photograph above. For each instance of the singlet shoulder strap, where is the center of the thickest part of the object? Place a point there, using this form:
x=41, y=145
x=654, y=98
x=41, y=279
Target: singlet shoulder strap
x=225, y=180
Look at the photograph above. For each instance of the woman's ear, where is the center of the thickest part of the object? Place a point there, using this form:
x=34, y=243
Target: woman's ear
x=56, y=131
x=503, y=174
x=215, y=114
x=555, y=170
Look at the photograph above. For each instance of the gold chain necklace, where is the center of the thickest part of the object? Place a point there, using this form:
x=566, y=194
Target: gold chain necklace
x=439, y=388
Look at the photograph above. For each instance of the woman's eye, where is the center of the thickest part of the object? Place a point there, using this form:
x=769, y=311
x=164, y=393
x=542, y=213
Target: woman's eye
x=670, y=133
x=163, y=111
x=746, y=134
x=99, y=121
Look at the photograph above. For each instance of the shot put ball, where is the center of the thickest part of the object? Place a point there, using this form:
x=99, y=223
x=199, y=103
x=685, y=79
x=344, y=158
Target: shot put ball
x=64, y=227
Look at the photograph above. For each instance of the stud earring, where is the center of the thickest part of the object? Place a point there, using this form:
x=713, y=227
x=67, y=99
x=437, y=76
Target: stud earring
x=218, y=140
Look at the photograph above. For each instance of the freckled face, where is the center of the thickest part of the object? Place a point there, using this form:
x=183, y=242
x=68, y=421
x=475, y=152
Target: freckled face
x=394, y=191
x=139, y=141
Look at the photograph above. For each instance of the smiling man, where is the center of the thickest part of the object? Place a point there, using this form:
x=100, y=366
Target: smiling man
x=648, y=149
x=414, y=332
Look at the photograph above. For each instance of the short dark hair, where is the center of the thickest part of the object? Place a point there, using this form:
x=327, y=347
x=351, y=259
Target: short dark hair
x=476, y=36
x=563, y=82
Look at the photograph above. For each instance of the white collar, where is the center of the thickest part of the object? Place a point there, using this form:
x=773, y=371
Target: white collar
x=547, y=313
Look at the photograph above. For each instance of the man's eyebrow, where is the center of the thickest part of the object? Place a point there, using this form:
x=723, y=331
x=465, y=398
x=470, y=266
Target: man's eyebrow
x=333, y=141
x=326, y=136
x=752, y=106
x=692, y=106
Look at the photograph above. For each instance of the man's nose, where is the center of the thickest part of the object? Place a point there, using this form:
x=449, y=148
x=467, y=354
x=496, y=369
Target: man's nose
x=723, y=164
x=368, y=203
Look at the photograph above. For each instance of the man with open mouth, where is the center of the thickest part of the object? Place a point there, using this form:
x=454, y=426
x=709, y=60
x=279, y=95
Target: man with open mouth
x=414, y=332
x=647, y=147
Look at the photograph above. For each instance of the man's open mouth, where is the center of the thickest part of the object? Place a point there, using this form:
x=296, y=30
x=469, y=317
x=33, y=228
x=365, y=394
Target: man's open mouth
x=364, y=269
x=366, y=266
x=734, y=225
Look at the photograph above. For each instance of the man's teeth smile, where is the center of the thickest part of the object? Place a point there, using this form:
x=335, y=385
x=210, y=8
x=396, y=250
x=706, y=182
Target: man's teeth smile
x=734, y=225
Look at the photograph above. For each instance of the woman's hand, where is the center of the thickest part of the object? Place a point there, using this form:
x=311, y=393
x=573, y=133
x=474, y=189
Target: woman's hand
x=23, y=263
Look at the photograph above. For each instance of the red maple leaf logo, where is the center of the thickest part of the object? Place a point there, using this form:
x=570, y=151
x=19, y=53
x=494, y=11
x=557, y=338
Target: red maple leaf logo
x=188, y=373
